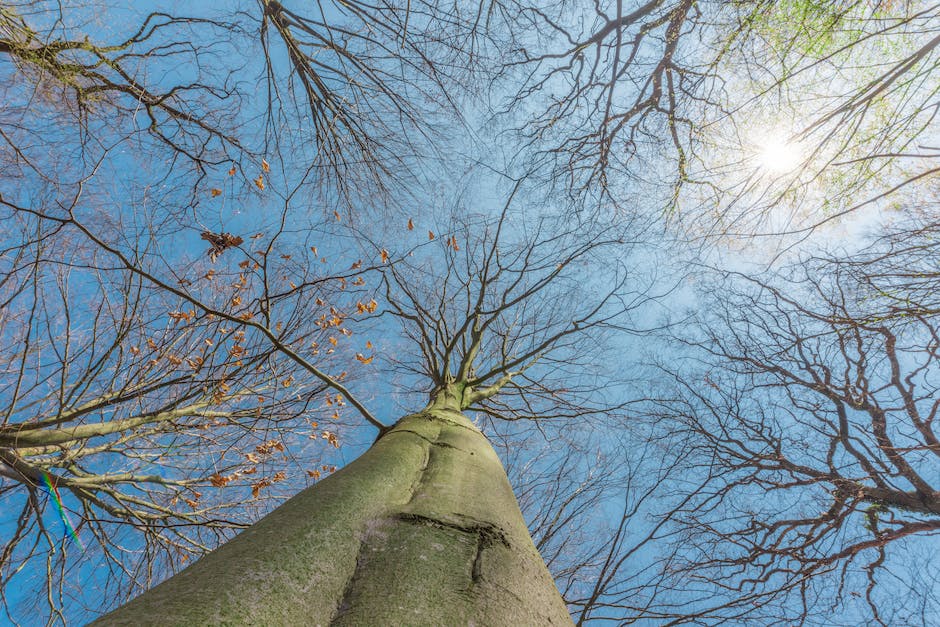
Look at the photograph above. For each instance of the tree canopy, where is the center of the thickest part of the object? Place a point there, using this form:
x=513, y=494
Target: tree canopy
x=675, y=258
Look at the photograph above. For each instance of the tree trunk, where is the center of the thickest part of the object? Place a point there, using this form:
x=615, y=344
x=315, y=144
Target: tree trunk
x=422, y=529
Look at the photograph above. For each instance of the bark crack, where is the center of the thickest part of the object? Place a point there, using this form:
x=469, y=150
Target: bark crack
x=487, y=535
x=419, y=476
x=476, y=570
x=345, y=602
x=431, y=416
x=435, y=442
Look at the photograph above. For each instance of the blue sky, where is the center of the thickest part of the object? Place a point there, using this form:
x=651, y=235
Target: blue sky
x=138, y=193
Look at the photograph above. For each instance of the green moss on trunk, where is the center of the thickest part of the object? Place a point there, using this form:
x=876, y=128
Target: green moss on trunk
x=422, y=529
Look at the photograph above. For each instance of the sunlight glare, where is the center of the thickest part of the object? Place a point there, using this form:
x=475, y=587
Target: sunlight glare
x=778, y=156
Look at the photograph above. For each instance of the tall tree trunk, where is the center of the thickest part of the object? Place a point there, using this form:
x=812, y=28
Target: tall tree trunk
x=422, y=529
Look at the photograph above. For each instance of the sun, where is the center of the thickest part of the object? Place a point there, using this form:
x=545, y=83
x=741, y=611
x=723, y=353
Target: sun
x=777, y=155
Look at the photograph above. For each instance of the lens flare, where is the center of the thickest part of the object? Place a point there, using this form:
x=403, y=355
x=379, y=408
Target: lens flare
x=54, y=493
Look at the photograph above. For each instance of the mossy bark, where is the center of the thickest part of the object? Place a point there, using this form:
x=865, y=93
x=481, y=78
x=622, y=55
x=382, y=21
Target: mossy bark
x=422, y=529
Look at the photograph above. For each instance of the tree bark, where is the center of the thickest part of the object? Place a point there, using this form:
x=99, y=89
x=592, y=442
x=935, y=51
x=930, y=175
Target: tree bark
x=422, y=529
